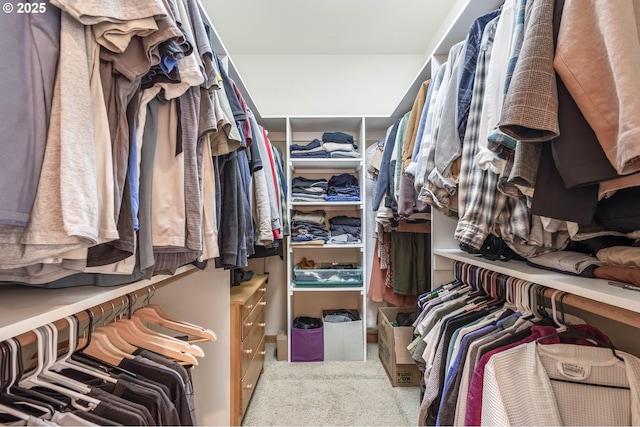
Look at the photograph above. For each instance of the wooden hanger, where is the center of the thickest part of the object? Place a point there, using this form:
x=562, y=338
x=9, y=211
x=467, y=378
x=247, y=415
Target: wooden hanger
x=101, y=348
x=135, y=325
x=99, y=345
x=113, y=335
x=153, y=343
x=152, y=313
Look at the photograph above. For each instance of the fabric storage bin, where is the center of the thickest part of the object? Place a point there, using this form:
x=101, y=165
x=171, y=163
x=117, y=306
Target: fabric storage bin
x=343, y=340
x=328, y=275
x=307, y=345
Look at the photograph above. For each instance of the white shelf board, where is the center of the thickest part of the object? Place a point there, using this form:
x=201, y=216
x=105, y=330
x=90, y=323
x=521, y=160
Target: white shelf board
x=294, y=288
x=595, y=289
x=333, y=163
x=327, y=246
x=325, y=203
x=24, y=308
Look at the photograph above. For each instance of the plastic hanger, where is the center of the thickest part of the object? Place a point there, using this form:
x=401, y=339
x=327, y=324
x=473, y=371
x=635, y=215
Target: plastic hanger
x=33, y=379
x=35, y=407
x=16, y=372
x=67, y=363
x=14, y=412
x=566, y=331
x=560, y=327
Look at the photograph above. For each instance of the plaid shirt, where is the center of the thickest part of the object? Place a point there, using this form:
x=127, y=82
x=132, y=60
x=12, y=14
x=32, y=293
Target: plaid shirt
x=479, y=202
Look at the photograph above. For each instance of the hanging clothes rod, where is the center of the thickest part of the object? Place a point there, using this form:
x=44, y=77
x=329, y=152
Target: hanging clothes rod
x=627, y=317
x=105, y=307
x=476, y=276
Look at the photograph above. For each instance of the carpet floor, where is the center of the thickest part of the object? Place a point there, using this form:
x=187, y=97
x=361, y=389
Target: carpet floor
x=332, y=393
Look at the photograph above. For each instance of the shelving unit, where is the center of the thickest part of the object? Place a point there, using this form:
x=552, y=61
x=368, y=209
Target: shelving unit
x=310, y=301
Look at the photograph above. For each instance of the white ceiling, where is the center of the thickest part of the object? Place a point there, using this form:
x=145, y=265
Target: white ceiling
x=319, y=27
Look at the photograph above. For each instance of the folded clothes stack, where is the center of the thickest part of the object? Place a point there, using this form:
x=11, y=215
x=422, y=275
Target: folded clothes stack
x=308, y=190
x=314, y=149
x=333, y=144
x=309, y=226
x=339, y=144
x=344, y=229
x=343, y=188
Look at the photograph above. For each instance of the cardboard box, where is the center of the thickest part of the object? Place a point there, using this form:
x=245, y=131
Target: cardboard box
x=344, y=340
x=282, y=351
x=392, y=348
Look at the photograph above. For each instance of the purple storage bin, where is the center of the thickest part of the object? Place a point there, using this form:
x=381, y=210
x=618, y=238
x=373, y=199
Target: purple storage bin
x=307, y=345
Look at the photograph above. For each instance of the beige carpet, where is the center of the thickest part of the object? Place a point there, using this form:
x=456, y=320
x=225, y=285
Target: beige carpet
x=334, y=393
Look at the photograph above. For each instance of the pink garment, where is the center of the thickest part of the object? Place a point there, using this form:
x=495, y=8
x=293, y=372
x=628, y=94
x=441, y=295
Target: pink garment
x=379, y=292
x=474, y=398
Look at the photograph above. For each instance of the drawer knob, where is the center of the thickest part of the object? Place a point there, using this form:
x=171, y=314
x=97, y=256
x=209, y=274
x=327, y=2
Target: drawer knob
x=263, y=303
x=262, y=325
x=248, y=351
x=248, y=307
x=262, y=353
x=248, y=386
x=263, y=289
x=248, y=324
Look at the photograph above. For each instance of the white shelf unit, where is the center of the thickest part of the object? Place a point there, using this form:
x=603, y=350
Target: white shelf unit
x=445, y=248
x=310, y=301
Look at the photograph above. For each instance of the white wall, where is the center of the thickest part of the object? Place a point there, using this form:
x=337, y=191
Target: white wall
x=327, y=85
x=203, y=298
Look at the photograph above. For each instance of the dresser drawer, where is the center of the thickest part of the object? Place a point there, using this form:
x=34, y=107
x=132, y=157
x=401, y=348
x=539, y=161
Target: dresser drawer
x=253, y=318
x=253, y=301
x=251, y=343
x=250, y=379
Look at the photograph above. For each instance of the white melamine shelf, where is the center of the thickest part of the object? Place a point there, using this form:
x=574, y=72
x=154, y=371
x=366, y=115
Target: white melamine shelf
x=595, y=289
x=333, y=246
x=294, y=288
x=24, y=308
x=337, y=163
x=323, y=203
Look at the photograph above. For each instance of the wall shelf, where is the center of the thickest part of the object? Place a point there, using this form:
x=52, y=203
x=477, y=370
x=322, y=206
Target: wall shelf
x=25, y=308
x=595, y=289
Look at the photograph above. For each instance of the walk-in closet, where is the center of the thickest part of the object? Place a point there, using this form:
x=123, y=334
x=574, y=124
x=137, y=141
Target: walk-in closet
x=338, y=213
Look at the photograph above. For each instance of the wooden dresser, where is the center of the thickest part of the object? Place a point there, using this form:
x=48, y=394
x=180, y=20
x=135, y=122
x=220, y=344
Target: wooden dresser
x=247, y=342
